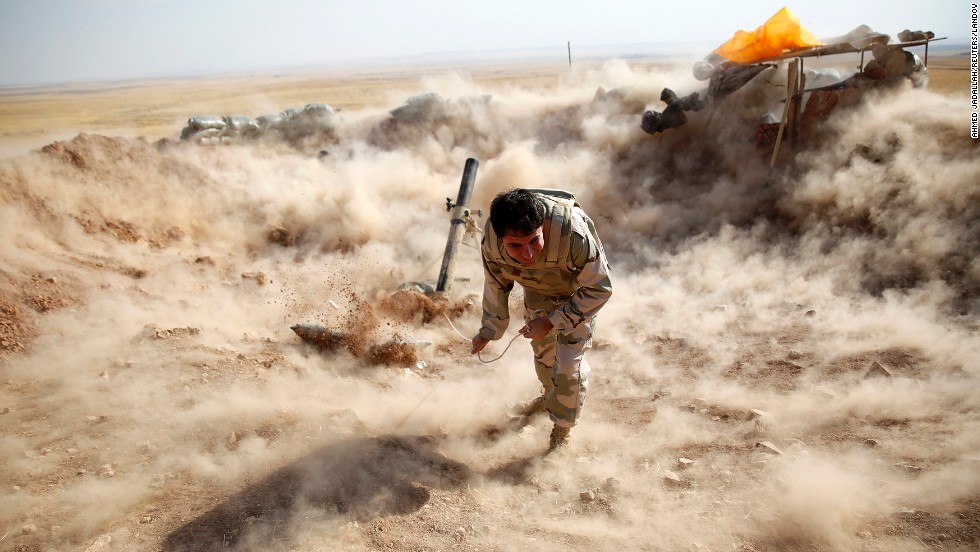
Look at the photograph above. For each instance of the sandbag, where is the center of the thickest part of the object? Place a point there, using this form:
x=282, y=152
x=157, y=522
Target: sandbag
x=203, y=122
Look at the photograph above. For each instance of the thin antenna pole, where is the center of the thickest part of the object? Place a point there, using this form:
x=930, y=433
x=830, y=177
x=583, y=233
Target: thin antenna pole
x=569, y=54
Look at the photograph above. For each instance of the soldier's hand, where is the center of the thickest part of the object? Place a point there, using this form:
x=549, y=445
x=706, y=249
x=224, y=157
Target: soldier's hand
x=537, y=328
x=479, y=342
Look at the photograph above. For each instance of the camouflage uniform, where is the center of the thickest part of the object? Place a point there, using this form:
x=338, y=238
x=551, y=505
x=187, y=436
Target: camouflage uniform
x=567, y=283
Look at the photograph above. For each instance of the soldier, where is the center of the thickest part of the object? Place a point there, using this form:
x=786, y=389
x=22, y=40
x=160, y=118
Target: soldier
x=543, y=240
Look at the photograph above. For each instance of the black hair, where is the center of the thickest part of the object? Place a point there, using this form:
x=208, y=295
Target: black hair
x=516, y=211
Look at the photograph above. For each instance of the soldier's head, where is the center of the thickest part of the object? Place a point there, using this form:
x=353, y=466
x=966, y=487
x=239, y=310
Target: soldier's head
x=517, y=217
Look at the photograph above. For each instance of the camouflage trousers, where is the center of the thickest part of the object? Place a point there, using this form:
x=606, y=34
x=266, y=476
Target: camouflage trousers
x=559, y=361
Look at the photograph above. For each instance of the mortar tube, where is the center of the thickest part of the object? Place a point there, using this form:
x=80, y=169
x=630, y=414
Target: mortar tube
x=457, y=226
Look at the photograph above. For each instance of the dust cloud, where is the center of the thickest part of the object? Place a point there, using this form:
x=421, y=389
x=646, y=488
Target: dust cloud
x=788, y=362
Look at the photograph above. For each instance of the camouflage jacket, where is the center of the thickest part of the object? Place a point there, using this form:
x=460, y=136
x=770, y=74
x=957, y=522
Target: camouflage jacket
x=571, y=270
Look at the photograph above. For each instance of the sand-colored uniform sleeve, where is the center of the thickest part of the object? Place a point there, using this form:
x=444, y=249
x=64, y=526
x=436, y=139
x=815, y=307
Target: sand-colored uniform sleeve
x=593, y=286
x=496, y=293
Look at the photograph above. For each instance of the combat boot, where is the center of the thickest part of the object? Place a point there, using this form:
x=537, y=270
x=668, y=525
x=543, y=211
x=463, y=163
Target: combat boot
x=559, y=439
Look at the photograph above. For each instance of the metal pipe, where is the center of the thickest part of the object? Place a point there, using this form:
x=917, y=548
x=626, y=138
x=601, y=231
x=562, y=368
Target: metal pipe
x=457, y=226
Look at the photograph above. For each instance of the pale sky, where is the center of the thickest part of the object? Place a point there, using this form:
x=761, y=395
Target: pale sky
x=50, y=41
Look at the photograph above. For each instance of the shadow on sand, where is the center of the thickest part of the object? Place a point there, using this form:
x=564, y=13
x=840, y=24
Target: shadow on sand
x=359, y=478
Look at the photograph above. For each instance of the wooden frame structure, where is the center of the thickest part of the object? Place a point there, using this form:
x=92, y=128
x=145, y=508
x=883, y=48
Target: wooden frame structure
x=796, y=80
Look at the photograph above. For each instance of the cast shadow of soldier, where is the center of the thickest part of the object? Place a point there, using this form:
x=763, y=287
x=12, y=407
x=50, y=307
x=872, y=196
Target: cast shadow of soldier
x=358, y=479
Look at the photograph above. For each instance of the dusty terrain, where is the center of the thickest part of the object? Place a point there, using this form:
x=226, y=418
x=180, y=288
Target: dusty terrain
x=789, y=360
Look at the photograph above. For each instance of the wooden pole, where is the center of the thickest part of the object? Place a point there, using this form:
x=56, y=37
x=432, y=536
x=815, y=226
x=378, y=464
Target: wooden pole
x=797, y=106
x=791, y=78
x=457, y=226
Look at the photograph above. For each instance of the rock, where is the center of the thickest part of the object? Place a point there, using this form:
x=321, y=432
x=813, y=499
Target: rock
x=688, y=407
x=759, y=429
x=152, y=331
x=100, y=544
x=106, y=471
x=877, y=370
x=766, y=446
x=321, y=338
x=29, y=529
x=233, y=438
x=613, y=484
x=459, y=534
x=794, y=355
x=810, y=312
x=826, y=391
x=587, y=496
x=258, y=277
x=671, y=477
x=684, y=463
x=871, y=442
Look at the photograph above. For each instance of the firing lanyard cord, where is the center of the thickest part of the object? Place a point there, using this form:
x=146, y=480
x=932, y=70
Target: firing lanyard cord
x=478, y=354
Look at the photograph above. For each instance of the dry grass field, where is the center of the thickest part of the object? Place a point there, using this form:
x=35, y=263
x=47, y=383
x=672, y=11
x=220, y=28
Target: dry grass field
x=788, y=362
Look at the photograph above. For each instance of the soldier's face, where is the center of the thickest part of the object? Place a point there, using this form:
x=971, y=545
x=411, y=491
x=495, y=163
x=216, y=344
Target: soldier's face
x=525, y=248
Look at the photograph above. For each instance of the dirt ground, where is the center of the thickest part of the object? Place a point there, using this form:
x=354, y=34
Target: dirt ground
x=788, y=363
